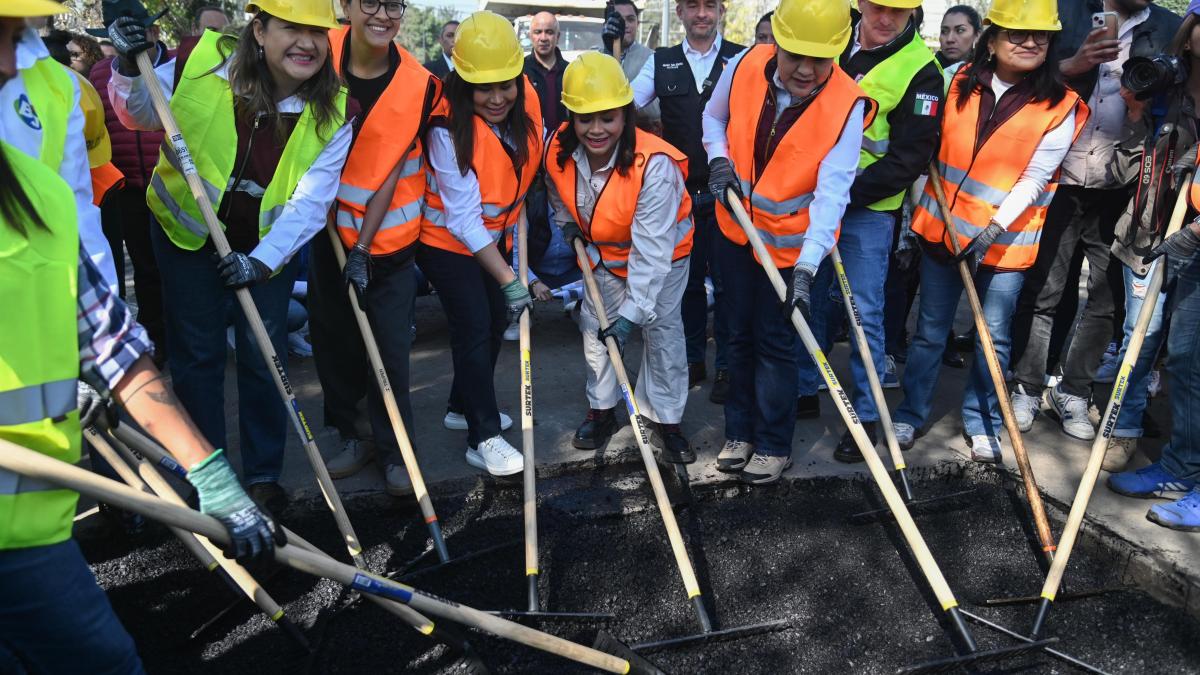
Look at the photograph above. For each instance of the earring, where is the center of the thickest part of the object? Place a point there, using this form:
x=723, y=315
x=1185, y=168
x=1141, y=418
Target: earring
x=261, y=55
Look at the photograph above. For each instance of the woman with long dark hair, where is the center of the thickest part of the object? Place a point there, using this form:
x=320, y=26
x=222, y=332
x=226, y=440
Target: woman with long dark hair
x=484, y=153
x=1009, y=121
x=266, y=121
x=621, y=191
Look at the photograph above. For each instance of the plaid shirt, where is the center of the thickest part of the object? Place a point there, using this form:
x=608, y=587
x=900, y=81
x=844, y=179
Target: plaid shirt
x=110, y=341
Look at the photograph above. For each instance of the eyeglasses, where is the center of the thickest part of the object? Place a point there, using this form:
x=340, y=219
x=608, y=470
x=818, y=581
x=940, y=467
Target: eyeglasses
x=1041, y=38
x=75, y=56
x=394, y=10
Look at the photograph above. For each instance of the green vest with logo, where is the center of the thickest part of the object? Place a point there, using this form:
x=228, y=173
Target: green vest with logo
x=886, y=83
x=203, y=107
x=39, y=343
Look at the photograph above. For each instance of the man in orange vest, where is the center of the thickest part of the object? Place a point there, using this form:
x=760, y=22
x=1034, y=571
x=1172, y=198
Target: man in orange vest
x=783, y=130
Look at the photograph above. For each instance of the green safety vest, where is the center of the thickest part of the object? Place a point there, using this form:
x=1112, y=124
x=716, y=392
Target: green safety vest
x=886, y=83
x=39, y=343
x=203, y=107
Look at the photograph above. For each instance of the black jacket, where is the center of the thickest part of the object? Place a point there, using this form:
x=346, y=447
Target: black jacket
x=914, y=137
x=548, y=84
x=438, y=67
x=1150, y=38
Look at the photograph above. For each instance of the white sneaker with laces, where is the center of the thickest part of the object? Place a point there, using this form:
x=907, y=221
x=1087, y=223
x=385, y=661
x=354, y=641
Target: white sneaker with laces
x=734, y=456
x=1025, y=408
x=396, y=480
x=764, y=469
x=906, y=435
x=890, y=379
x=496, y=457
x=458, y=421
x=985, y=448
x=1072, y=411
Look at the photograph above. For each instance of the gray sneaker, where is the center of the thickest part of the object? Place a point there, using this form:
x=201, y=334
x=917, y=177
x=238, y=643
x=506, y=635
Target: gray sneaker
x=1072, y=411
x=1025, y=408
x=906, y=435
x=734, y=456
x=354, y=456
x=398, y=484
x=985, y=448
x=764, y=469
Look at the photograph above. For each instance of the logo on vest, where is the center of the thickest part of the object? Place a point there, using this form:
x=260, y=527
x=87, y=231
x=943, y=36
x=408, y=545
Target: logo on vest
x=25, y=111
x=926, y=104
x=672, y=66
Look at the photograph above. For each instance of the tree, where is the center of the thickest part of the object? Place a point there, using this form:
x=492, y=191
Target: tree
x=422, y=26
x=1177, y=6
x=173, y=25
x=741, y=18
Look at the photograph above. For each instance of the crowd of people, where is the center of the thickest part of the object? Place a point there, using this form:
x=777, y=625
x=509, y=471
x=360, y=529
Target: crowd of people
x=1059, y=132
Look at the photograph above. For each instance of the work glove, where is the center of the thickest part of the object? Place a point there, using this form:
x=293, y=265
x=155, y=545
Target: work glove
x=1180, y=246
x=357, y=271
x=975, y=251
x=570, y=232
x=613, y=31
x=721, y=177
x=128, y=37
x=252, y=535
x=799, y=293
x=908, y=252
x=239, y=270
x=619, y=330
x=93, y=407
x=1185, y=164
x=516, y=299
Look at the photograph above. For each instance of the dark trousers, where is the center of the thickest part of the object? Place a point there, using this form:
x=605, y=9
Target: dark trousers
x=475, y=310
x=338, y=351
x=1181, y=456
x=125, y=217
x=1078, y=218
x=761, y=355
x=1064, y=317
x=389, y=307
x=695, y=298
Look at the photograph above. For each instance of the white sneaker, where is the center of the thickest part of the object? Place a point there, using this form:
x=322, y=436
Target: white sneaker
x=1025, y=408
x=1155, y=386
x=396, y=480
x=496, y=457
x=513, y=332
x=985, y=448
x=734, y=456
x=1072, y=411
x=906, y=435
x=458, y=421
x=764, y=469
x=354, y=456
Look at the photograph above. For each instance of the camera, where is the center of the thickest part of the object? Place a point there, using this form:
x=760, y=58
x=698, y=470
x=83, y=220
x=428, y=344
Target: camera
x=1146, y=77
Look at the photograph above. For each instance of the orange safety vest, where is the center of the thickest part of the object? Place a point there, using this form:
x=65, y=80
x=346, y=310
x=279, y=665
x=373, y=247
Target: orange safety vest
x=611, y=227
x=502, y=185
x=976, y=181
x=390, y=132
x=1194, y=187
x=778, y=200
x=104, y=178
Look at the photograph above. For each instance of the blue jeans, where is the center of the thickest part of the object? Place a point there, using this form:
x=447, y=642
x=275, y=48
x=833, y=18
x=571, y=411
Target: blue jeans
x=196, y=302
x=760, y=355
x=865, y=244
x=1137, y=391
x=55, y=619
x=941, y=287
x=705, y=262
x=1181, y=457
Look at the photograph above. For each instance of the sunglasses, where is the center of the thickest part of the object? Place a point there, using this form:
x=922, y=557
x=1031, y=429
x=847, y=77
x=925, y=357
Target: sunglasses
x=1041, y=38
x=393, y=10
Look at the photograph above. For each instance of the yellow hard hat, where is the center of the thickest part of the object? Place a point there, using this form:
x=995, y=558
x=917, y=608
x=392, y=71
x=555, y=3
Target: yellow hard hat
x=807, y=28
x=1025, y=14
x=486, y=49
x=595, y=82
x=317, y=13
x=22, y=8
x=899, y=4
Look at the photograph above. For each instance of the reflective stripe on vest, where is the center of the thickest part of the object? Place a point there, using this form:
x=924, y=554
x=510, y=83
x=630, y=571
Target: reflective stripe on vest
x=35, y=402
x=778, y=200
x=886, y=84
x=203, y=107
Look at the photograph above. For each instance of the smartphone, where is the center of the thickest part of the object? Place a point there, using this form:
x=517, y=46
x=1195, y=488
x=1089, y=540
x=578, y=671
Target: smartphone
x=1107, y=21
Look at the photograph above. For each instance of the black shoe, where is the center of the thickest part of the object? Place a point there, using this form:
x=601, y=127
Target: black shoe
x=900, y=356
x=808, y=407
x=720, y=388
x=675, y=447
x=269, y=496
x=696, y=374
x=847, y=450
x=953, y=359
x=963, y=343
x=596, y=429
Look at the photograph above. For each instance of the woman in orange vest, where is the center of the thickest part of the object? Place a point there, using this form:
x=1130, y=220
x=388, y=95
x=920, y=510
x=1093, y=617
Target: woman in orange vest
x=621, y=190
x=396, y=95
x=483, y=154
x=1009, y=121
x=783, y=130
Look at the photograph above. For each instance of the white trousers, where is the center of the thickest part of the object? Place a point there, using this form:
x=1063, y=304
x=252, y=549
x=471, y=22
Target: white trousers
x=662, y=382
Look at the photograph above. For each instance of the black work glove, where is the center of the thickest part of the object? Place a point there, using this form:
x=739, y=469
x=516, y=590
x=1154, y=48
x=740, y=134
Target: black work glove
x=613, y=31
x=975, y=251
x=357, y=272
x=571, y=232
x=93, y=407
x=799, y=293
x=128, y=37
x=618, y=330
x=1180, y=246
x=908, y=254
x=721, y=178
x=1185, y=164
x=239, y=270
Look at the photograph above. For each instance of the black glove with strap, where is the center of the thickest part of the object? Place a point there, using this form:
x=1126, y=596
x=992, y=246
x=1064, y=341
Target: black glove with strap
x=239, y=270
x=721, y=177
x=570, y=232
x=799, y=292
x=974, y=253
x=613, y=30
x=128, y=37
x=93, y=407
x=357, y=272
x=1179, y=247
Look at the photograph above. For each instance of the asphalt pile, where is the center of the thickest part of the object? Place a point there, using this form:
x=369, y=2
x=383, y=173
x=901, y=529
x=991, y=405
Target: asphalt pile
x=852, y=597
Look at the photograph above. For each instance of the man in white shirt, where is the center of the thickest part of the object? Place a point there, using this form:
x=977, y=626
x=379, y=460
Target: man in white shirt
x=442, y=65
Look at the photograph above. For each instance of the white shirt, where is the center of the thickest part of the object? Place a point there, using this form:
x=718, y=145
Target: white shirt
x=460, y=193
x=449, y=61
x=834, y=177
x=701, y=64
x=20, y=128
x=304, y=214
x=654, y=231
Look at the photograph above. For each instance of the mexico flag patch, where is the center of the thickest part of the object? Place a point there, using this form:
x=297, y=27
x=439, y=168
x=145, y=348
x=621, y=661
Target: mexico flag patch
x=927, y=104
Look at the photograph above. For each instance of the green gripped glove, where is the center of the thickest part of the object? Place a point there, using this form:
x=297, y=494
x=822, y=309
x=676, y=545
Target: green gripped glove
x=516, y=299
x=618, y=330
x=251, y=532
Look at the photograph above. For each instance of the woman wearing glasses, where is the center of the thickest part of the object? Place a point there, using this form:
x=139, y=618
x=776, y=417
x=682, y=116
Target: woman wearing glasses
x=483, y=153
x=1008, y=123
x=396, y=95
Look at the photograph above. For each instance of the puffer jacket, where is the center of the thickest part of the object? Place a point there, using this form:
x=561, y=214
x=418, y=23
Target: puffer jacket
x=133, y=152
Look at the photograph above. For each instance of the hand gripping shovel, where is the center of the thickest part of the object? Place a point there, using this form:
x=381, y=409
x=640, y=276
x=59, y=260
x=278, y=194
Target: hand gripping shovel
x=300, y=556
x=1091, y=472
x=916, y=543
x=663, y=501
